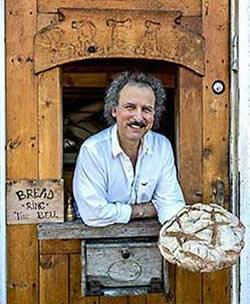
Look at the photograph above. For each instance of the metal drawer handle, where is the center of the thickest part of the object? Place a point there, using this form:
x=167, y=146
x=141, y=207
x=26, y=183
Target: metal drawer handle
x=125, y=253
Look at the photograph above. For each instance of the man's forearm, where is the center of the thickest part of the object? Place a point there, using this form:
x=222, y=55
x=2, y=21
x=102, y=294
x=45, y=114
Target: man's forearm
x=143, y=210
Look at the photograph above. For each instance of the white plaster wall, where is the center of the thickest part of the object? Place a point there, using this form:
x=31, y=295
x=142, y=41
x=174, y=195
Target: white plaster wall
x=244, y=143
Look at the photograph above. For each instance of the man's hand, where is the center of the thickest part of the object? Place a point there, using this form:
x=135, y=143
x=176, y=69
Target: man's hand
x=143, y=210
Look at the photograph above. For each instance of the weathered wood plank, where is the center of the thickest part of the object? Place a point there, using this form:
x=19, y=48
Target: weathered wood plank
x=189, y=7
x=190, y=134
x=44, y=20
x=217, y=287
x=118, y=34
x=114, y=300
x=34, y=201
x=22, y=145
x=50, y=124
x=216, y=107
x=156, y=298
x=75, y=283
x=124, y=264
x=85, y=80
x=78, y=230
x=137, y=299
x=22, y=264
x=215, y=23
x=188, y=287
x=54, y=275
x=189, y=109
x=21, y=102
x=60, y=247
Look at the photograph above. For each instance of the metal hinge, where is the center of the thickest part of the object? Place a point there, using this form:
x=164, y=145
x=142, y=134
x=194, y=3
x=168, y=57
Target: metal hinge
x=235, y=53
x=95, y=288
x=155, y=285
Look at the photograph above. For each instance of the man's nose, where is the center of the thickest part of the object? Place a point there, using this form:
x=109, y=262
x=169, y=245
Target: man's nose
x=138, y=114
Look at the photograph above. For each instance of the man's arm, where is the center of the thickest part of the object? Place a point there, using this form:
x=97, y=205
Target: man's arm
x=90, y=192
x=144, y=210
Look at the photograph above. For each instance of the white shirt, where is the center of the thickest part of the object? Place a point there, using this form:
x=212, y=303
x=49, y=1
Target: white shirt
x=105, y=184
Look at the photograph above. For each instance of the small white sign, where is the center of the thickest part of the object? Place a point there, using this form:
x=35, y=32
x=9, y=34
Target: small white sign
x=35, y=201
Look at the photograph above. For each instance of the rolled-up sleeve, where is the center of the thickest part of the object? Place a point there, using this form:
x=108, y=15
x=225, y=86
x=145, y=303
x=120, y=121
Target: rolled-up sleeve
x=90, y=192
x=167, y=197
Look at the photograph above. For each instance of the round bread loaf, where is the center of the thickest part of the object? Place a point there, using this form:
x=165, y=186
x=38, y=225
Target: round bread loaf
x=202, y=238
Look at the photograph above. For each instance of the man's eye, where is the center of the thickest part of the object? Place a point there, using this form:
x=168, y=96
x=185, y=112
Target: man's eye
x=129, y=108
x=148, y=110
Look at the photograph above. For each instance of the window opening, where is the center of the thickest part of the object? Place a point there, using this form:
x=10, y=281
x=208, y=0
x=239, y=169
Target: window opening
x=84, y=86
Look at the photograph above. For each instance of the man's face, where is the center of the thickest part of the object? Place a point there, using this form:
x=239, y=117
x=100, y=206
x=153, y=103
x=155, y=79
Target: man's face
x=134, y=113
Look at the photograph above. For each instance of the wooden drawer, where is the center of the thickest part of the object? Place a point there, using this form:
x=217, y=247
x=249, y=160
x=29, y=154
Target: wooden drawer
x=121, y=265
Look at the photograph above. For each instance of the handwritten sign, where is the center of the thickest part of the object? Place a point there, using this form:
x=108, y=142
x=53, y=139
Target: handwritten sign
x=33, y=201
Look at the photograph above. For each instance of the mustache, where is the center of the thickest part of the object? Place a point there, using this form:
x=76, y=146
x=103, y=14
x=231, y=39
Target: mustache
x=140, y=124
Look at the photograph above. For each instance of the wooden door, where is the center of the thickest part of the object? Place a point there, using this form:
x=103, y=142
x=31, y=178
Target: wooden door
x=192, y=35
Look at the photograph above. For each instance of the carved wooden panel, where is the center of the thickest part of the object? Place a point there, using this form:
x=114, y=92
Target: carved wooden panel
x=188, y=7
x=89, y=33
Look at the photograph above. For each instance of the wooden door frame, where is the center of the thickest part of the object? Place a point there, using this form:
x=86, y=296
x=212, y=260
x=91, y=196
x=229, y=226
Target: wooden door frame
x=243, y=103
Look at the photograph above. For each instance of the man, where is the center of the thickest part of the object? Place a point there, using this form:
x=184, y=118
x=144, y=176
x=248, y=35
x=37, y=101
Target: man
x=127, y=171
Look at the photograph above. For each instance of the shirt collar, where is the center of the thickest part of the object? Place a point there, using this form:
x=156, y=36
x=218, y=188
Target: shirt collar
x=116, y=148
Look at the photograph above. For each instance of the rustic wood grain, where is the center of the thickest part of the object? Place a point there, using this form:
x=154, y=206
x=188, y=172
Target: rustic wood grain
x=22, y=137
x=188, y=287
x=137, y=299
x=114, y=300
x=34, y=201
x=117, y=34
x=75, y=283
x=54, y=276
x=190, y=134
x=21, y=90
x=216, y=107
x=217, y=287
x=189, y=7
x=105, y=261
x=50, y=124
x=60, y=247
x=215, y=23
x=44, y=20
x=22, y=264
x=78, y=230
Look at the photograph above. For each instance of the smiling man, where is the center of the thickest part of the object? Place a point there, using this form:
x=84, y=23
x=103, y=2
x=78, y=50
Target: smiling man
x=127, y=171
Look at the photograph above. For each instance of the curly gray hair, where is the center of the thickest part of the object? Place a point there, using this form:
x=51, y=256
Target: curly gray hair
x=134, y=79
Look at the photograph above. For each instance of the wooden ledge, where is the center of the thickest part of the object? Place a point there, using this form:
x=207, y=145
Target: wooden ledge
x=78, y=230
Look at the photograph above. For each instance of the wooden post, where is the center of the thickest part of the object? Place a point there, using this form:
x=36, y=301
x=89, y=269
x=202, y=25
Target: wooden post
x=189, y=143
x=215, y=18
x=22, y=147
x=50, y=124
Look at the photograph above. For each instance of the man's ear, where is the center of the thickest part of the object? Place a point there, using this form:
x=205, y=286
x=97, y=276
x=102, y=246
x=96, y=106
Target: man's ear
x=114, y=111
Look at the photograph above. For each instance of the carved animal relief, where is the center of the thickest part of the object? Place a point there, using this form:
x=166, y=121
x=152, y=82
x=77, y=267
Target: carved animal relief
x=202, y=238
x=90, y=33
